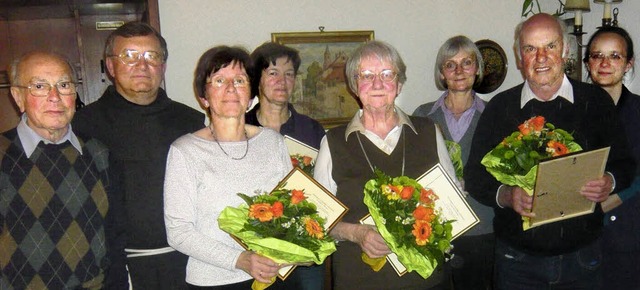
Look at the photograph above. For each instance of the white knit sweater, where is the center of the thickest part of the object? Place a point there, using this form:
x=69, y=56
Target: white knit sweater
x=200, y=182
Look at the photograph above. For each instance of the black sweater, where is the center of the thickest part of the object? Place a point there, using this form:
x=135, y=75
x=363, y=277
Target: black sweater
x=351, y=172
x=139, y=137
x=593, y=121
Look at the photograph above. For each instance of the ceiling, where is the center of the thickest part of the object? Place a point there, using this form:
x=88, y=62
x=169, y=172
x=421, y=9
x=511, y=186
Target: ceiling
x=40, y=9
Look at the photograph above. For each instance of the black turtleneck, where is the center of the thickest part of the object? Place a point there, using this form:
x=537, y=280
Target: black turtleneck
x=139, y=138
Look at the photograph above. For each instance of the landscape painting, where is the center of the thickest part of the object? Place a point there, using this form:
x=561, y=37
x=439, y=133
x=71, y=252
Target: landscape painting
x=321, y=90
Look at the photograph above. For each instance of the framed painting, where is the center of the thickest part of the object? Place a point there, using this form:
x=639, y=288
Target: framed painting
x=321, y=90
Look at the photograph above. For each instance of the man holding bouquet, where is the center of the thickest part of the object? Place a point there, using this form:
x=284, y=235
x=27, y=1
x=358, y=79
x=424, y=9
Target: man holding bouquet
x=566, y=253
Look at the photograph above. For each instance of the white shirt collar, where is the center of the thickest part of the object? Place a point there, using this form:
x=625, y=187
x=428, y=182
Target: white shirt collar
x=356, y=125
x=30, y=139
x=565, y=91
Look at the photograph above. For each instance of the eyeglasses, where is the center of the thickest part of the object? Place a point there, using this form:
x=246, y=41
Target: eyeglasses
x=466, y=64
x=43, y=89
x=613, y=57
x=220, y=81
x=131, y=57
x=385, y=76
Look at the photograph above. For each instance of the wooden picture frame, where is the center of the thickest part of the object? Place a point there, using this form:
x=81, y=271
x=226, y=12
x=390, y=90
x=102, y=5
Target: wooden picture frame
x=321, y=90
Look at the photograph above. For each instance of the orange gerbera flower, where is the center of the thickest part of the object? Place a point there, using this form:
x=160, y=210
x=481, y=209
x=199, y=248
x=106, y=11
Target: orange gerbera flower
x=423, y=213
x=306, y=160
x=427, y=196
x=532, y=125
x=407, y=192
x=556, y=148
x=277, y=208
x=313, y=228
x=422, y=232
x=294, y=162
x=261, y=211
x=297, y=196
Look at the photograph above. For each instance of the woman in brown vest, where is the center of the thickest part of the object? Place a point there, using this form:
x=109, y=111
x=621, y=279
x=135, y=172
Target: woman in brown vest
x=382, y=136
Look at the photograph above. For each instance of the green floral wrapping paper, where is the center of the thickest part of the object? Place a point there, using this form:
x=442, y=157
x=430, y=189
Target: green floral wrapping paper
x=232, y=221
x=438, y=243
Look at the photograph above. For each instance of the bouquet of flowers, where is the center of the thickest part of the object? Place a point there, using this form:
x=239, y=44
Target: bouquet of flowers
x=405, y=215
x=515, y=160
x=282, y=225
x=304, y=162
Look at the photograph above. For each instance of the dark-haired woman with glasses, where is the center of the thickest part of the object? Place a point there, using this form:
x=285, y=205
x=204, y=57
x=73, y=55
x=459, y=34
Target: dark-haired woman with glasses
x=381, y=136
x=206, y=169
x=609, y=58
x=458, y=67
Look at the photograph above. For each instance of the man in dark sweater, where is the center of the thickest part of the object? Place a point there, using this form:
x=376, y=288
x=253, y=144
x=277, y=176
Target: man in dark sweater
x=567, y=253
x=61, y=225
x=138, y=122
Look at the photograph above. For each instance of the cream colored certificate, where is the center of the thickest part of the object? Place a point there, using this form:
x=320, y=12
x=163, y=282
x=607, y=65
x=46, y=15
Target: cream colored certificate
x=329, y=207
x=556, y=195
x=297, y=147
x=451, y=201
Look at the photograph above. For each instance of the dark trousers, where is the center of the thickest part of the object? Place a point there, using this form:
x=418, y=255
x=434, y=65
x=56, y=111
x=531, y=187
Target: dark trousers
x=572, y=271
x=305, y=278
x=472, y=265
x=621, y=254
x=158, y=272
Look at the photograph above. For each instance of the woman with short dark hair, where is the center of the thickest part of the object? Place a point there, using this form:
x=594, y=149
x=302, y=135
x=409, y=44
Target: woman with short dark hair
x=206, y=169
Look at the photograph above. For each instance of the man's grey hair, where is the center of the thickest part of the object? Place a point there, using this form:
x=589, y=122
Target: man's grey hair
x=14, y=78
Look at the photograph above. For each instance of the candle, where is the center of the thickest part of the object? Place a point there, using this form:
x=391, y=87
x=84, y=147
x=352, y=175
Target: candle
x=578, y=18
x=607, y=10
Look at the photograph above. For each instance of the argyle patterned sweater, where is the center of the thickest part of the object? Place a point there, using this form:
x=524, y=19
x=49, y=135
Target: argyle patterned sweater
x=53, y=207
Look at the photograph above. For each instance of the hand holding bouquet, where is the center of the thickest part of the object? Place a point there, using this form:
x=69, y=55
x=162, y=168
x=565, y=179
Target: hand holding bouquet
x=282, y=226
x=406, y=217
x=515, y=160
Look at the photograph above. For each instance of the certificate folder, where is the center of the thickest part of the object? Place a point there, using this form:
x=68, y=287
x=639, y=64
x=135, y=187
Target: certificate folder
x=328, y=206
x=556, y=195
x=451, y=203
x=297, y=147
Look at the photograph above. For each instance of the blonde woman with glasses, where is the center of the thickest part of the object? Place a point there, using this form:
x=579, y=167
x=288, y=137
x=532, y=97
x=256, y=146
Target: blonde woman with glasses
x=458, y=68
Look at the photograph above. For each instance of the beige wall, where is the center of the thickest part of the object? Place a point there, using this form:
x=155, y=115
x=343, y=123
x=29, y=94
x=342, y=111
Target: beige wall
x=416, y=28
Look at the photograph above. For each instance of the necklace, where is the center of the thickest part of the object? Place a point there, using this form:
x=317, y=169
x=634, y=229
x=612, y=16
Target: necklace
x=369, y=161
x=213, y=134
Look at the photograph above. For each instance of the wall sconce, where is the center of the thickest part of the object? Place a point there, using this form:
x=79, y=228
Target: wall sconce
x=606, y=15
x=577, y=6
x=573, y=65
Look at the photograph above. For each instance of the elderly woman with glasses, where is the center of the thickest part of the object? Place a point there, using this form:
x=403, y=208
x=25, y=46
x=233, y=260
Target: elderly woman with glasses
x=609, y=58
x=206, y=169
x=382, y=136
x=458, y=67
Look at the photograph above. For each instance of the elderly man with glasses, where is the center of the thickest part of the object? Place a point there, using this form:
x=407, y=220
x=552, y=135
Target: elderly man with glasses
x=138, y=122
x=61, y=223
